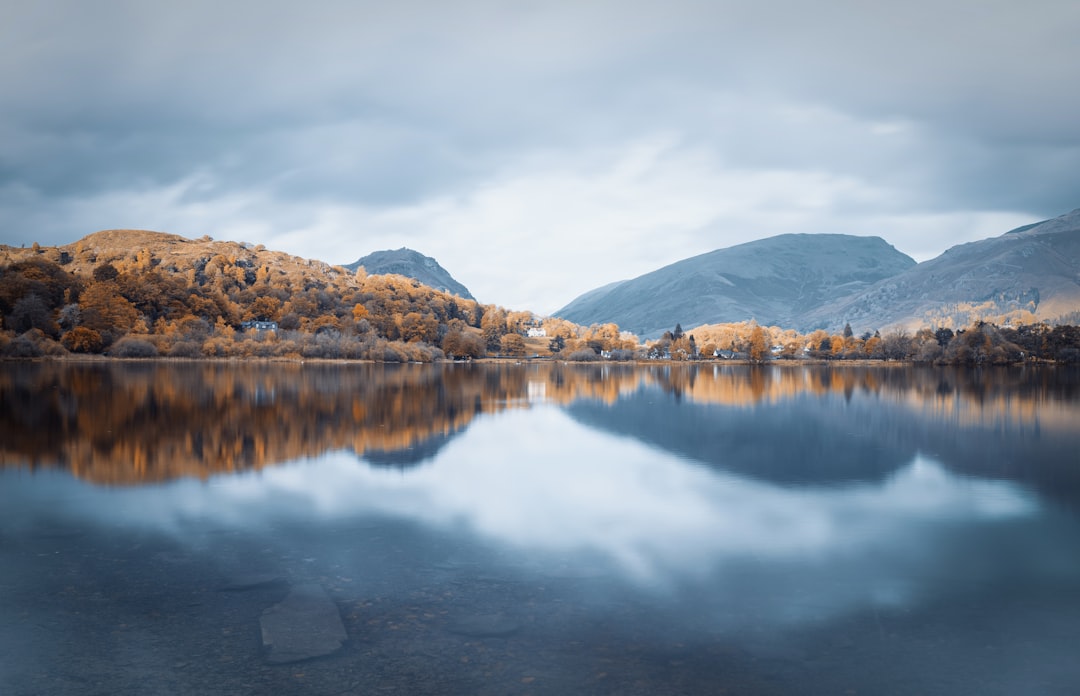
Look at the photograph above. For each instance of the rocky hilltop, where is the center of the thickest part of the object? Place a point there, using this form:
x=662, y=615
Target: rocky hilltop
x=776, y=281
x=412, y=264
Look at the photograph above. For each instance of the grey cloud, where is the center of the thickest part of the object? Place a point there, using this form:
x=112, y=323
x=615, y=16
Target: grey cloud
x=381, y=104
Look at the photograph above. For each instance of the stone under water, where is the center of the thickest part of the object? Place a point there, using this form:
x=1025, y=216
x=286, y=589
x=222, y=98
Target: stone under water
x=304, y=625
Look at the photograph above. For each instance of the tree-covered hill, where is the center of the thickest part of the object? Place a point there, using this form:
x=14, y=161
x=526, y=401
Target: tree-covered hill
x=136, y=292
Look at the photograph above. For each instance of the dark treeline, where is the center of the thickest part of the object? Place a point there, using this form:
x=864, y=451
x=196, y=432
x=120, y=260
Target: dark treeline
x=980, y=344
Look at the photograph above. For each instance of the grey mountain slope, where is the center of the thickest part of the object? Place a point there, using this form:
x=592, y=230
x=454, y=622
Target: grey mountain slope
x=411, y=264
x=774, y=280
x=1032, y=272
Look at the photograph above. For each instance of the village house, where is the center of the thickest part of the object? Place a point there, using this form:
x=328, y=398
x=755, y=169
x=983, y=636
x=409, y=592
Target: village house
x=258, y=326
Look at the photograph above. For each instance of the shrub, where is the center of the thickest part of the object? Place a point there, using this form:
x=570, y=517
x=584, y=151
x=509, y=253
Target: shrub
x=82, y=340
x=218, y=347
x=128, y=347
x=185, y=349
x=390, y=354
x=23, y=347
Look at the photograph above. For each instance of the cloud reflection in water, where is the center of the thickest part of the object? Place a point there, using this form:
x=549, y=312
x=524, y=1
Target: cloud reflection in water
x=539, y=483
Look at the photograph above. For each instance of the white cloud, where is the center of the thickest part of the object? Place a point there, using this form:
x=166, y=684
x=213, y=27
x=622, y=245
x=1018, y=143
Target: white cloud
x=556, y=226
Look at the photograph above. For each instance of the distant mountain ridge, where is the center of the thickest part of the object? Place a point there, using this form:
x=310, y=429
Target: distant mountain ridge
x=775, y=281
x=794, y=281
x=1031, y=273
x=412, y=264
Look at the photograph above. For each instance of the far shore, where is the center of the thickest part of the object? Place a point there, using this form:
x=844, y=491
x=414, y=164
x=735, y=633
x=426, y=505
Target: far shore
x=499, y=360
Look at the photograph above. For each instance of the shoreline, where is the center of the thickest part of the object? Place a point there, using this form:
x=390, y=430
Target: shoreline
x=876, y=362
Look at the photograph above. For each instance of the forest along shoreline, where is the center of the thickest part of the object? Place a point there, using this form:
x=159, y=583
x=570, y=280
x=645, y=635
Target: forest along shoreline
x=137, y=294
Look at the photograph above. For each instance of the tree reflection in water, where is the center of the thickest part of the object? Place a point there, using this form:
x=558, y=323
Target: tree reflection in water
x=553, y=528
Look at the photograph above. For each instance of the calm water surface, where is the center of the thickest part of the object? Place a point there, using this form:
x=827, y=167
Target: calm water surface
x=541, y=529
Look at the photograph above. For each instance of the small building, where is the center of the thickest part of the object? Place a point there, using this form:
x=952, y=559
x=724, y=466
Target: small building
x=258, y=326
x=536, y=332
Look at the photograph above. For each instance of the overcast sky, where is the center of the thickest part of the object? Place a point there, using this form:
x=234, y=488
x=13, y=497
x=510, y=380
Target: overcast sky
x=537, y=149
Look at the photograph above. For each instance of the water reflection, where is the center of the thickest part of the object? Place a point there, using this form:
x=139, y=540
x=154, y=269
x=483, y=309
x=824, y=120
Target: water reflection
x=125, y=424
x=540, y=483
x=757, y=530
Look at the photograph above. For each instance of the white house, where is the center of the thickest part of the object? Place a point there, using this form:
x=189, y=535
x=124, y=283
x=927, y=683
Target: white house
x=259, y=326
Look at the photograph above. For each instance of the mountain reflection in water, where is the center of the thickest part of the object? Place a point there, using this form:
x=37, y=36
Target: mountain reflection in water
x=609, y=529
x=128, y=424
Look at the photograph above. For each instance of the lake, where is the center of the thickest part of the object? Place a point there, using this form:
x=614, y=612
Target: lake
x=230, y=528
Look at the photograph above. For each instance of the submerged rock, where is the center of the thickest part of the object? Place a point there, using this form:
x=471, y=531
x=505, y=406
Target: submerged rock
x=304, y=625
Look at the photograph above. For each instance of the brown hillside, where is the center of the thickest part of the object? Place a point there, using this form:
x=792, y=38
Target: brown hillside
x=175, y=253
x=196, y=297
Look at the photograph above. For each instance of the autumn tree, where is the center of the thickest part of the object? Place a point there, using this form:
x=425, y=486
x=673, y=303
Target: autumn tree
x=561, y=328
x=493, y=327
x=106, y=311
x=517, y=321
x=603, y=336
x=816, y=340
x=461, y=344
x=416, y=327
x=681, y=349
x=263, y=308
x=82, y=340
x=837, y=345
x=758, y=348
x=512, y=344
x=873, y=347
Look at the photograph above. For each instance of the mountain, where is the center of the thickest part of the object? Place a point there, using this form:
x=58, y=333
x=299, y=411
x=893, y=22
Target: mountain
x=1031, y=274
x=776, y=281
x=411, y=264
